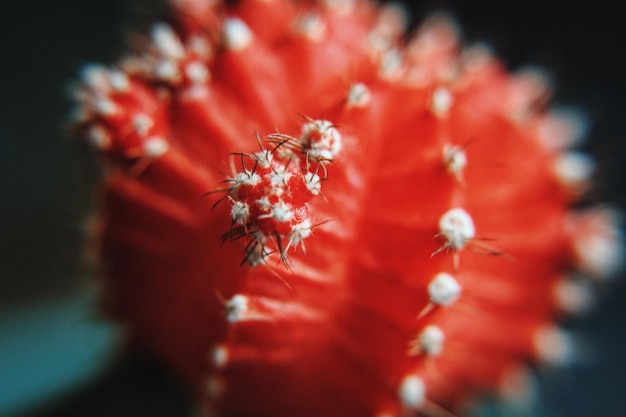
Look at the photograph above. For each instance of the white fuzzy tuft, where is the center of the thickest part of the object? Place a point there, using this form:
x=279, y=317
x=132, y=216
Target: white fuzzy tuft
x=412, y=392
x=279, y=177
x=155, y=146
x=574, y=296
x=237, y=35
x=96, y=77
x=98, y=136
x=431, y=340
x=455, y=159
x=104, y=106
x=167, y=70
x=441, y=102
x=597, y=242
x=236, y=308
x=359, y=95
x=299, y=232
x=197, y=72
x=243, y=178
x=320, y=140
x=142, y=124
x=240, y=212
x=444, y=289
x=457, y=227
x=311, y=26
x=554, y=346
x=390, y=64
x=119, y=81
x=264, y=158
x=282, y=212
x=167, y=41
x=562, y=128
x=573, y=169
x=313, y=183
x=219, y=356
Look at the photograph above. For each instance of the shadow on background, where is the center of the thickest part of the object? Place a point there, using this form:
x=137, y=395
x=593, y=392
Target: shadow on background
x=51, y=339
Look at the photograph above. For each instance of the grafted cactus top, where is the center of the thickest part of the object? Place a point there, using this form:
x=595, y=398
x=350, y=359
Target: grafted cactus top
x=303, y=214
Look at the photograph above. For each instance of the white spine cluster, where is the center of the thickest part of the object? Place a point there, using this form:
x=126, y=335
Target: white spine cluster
x=281, y=212
x=320, y=140
x=99, y=137
x=455, y=159
x=573, y=296
x=299, y=232
x=562, y=128
x=245, y=178
x=142, y=124
x=311, y=26
x=264, y=158
x=457, y=227
x=412, y=392
x=269, y=195
x=197, y=72
x=169, y=52
x=236, y=308
x=155, y=146
x=597, y=243
x=431, y=340
x=167, y=41
x=240, y=212
x=554, y=346
x=359, y=95
x=104, y=96
x=574, y=169
x=237, y=36
x=313, y=183
x=444, y=289
x=279, y=177
x=219, y=356
x=100, y=83
x=441, y=102
x=103, y=80
x=174, y=62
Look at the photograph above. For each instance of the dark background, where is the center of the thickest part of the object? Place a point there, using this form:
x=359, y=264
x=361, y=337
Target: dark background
x=46, y=182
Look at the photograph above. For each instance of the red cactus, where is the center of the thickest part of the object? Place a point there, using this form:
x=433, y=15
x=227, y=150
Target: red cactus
x=433, y=190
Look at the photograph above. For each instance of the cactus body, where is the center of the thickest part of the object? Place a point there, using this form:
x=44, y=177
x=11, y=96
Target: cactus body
x=303, y=214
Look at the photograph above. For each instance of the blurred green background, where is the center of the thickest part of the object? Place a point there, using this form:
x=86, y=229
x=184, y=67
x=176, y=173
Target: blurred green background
x=57, y=357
